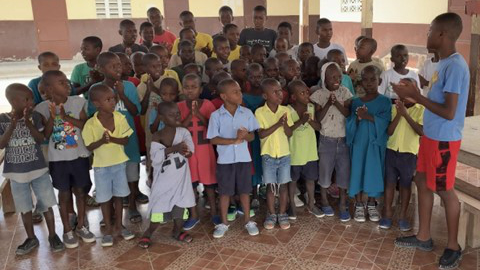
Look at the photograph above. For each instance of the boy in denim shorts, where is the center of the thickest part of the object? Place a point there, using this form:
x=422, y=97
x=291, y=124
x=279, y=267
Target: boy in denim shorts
x=275, y=121
x=106, y=134
x=21, y=133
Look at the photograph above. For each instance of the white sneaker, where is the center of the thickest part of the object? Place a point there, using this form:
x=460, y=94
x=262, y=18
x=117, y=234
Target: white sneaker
x=298, y=202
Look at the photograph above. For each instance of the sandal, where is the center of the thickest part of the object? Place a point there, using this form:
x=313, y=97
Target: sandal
x=145, y=242
x=184, y=237
x=91, y=202
x=134, y=216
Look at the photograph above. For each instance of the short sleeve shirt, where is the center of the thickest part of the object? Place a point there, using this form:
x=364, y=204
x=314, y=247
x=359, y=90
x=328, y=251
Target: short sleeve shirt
x=333, y=124
x=111, y=153
x=66, y=141
x=222, y=124
x=276, y=144
x=322, y=52
x=391, y=76
x=451, y=76
x=404, y=139
x=303, y=142
x=24, y=159
x=135, y=48
x=250, y=36
x=81, y=74
x=202, y=40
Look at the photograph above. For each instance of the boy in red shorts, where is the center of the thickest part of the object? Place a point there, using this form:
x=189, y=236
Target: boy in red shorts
x=443, y=124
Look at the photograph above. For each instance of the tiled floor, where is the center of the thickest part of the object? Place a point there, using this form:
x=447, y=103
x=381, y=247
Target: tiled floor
x=310, y=243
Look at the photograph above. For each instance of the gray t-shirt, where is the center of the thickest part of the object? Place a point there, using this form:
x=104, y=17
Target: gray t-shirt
x=24, y=159
x=66, y=141
x=266, y=37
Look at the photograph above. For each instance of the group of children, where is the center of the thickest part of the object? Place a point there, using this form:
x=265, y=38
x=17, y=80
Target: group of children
x=218, y=112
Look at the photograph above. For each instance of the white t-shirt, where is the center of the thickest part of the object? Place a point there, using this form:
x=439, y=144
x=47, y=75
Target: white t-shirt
x=292, y=52
x=322, y=52
x=391, y=76
x=428, y=68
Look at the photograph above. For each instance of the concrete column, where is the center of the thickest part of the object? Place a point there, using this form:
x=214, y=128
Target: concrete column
x=473, y=104
x=303, y=23
x=367, y=18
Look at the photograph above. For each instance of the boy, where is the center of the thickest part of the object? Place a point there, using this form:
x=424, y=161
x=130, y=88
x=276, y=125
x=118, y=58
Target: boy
x=200, y=57
x=128, y=105
x=204, y=42
x=172, y=189
x=238, y=68
x=46, y=61
x=106, y=134
x=225, y=17
x=305, y=50
x=127, y=68
x=20, y=136
x=187, y=56
x=399, y=58
x=231, y=128
x=338, y=57
x=162, y=36
x=85, y=75
x=138, y=68
x=246, y=53
x=146, y=34
x=443, y=123
x=259, y=54
x=162, y=52
x=230, y=31
x=284, y=30
x=275, y=123
x=69, y=163
x=259, y=34
x=290, y=70
x=221, y=49
x=129, y=36
x=281, y=45
x=303, y=146
x=366, y=49
x=401, y=158
x=212, y=67
x=324, y=31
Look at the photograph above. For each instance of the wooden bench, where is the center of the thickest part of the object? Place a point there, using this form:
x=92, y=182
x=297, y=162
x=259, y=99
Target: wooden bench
x=468, y=194
x=6, y=197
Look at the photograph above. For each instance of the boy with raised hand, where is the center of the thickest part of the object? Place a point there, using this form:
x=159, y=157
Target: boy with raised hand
x=259, y=34
x=443, y=122
x=128, y=31
x=324, y=31
x=204, y=42
x=162, y=36
x=85, y=75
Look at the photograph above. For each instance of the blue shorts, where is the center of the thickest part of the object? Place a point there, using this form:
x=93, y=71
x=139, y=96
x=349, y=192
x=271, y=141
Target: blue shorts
x=111, y=182
x=333, y=153
x=276, y=170
x=43, y=190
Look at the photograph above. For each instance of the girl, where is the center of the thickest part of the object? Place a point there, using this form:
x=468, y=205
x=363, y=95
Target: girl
x=367, y=136
x=195, y=113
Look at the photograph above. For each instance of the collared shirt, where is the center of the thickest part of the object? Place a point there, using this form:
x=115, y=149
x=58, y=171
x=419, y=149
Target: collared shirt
x=404, y=139
x=222, y=124
x=202, y=40
x=111, y=153
x=276, y=144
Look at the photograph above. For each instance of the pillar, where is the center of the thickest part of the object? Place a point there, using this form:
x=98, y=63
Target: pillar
x=367, y=18
x=473, y=104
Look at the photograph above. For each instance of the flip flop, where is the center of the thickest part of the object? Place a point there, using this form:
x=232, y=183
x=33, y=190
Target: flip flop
x=134, y=216
x=145, y=242
x=184, y=237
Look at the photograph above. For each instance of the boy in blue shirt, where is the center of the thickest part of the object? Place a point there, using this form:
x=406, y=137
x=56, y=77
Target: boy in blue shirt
x=231, y=128
x=443, y=125
x=110, y=66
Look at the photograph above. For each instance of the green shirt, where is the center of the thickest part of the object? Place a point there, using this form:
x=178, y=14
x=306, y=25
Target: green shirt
x=303, y=142
x=81, y=74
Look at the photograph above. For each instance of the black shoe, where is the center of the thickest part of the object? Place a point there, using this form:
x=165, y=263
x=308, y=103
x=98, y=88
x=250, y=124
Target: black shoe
x=450, y=258
x=413, y=242
x=125, y=202
x=27, y=246
x=56, y=244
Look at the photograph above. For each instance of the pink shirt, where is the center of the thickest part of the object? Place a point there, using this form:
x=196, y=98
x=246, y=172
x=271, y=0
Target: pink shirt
x=167, y=39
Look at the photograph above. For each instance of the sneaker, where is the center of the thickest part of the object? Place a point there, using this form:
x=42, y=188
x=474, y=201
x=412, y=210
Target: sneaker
x=27, y=246
x=413, y=242
x=141, y=198
x=450, y=258
x=240, y=211
x=190, y=224
x=86, y=235
x=404, y=225
x=328, y=210
x=291, y=214
x=345, y=216
x=125, y=201
x=107, y=241
x=298, y=202
x=126, y=234
x=270, y=221
x=232, y=213
x=283, y=221
x=102, y=222
x=359, y=213
x=255, y=203
x=70, y=240
x=316, y=212
x=72, y=220
x=251, y=228
x=56, y=244
x=373, y=214
x=220, y=230
x=216, y=220
x=385, y=223
x=206, y=205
